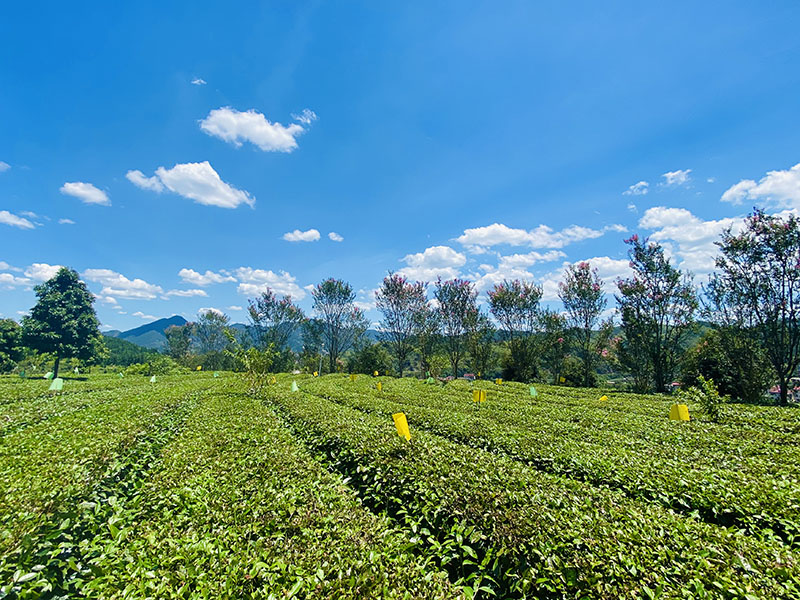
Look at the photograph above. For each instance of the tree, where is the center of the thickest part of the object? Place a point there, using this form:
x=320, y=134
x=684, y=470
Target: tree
x=428, y=338
x=209, y=332
x=63, y=322
x=179, y=341
x=10, y=344
x=480, y=342
x=273, y=321
x=657, y=306
x=553, y=342
x=515, y=306
x=757, y=287
x=401, y=304
x=342, y=322
x=368, y=358
x=456, y=303
x=581, y=292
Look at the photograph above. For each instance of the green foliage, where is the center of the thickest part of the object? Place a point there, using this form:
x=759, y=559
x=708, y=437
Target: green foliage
x=403, y=305
x=273, y=321
x=209, y=333
x=705, y=395
x=123, y=353
x=157, y=364
x=515, y=306
x=757, y=288
x=179, y=341
x=481, y=356
x=63, y=322
x=341, y=324
x=456, y=305
x=369, y=358
x=734, y=360
x=10, y=344
x=657, y=306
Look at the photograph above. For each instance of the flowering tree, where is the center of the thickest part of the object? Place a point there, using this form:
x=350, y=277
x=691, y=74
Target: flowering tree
x=584, y=301
x=456, y=304
x=401, y=304
x=342, y=323
x=657, y=306
x=757, y=287
x=273, y=321
x=515, y=306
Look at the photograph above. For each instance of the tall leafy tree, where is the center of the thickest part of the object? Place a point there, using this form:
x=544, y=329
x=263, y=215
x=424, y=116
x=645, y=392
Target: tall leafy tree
x=342, y=322
x=428, y=337
x=274, y=320
x=553, y=342
x=179, y=341
x=581, y=292
x=10, y=344
x=480, y=342
x=209, y=332
x=657, y=305
x=63, y=322
x=401, y=303
x=456, y=300
x=757, y=287
x=515, y=307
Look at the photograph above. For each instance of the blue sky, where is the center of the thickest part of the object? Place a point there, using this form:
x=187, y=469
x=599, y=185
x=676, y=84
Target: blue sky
x=170, y=153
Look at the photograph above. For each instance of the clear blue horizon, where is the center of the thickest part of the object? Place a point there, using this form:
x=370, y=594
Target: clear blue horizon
x=183, y=158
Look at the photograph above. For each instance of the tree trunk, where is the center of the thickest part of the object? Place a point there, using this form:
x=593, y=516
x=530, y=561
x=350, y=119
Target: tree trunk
x=784, y=393
x=55, y=366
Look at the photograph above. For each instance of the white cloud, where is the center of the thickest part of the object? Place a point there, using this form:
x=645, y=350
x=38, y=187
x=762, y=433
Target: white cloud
x=86, y=193
x=137, y=178
x=4, y=166
x=210, y=309
x=693, y=238
x=312, y=235
x=633, y=208
x=108, y=300
x=335, y=237
x=608, y=269
x=66, y=222
x=711, y=179
x=201, y=183
x=675, y=178
x=207, y=278
x=141, y=315
x=235, y=307
x=10, y=281
x=198, y=81
x=777, y=188
x=434, y=262
x=529, y=259
x=117, y=285
x=42, y=271
x=4, y=266
x=30, y=214
x=235, y=127
x=306, y=117
x=365, y=299
x=185, y=293
x=539, y=237
x=7, y=218
x=255, y=281
x=637, y=189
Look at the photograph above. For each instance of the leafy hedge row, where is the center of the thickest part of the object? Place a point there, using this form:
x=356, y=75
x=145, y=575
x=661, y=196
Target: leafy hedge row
x=502, y=526
x=681, y=466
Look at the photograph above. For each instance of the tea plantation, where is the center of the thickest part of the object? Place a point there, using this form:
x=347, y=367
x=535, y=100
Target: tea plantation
x=190, y=486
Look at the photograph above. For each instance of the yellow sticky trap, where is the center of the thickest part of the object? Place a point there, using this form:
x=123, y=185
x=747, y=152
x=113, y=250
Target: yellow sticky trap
x=679, y=412
x=199, y=368
x=479, y=395
x=316, y=374
x=380, y=386
x=375, y=373
x=402, y=425
x=603, y=398
x=498, y=381
x=561, y=380
x=273, y=381
x=352, y=377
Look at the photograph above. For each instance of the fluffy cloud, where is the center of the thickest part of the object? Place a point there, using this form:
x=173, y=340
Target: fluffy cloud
x=236, y=127
x=693, y=238
x=198, y=81
x=637, y=189
x=529, y=259
x=209, y=309
x=608, y=269
x=335, y=237
x=185, y=293
x=86, y=193
x=312, y=235
x=539, y=237
x=7, y=218
x=117, y=285
x=139, y=179
x=777, y=188
x=4, y=166
x=434, y=262
x=8, y=280
x=201, y=183
x=255, y=281
x=42, y=271
x=675, y=178
x=141, y=315
x=207, y=278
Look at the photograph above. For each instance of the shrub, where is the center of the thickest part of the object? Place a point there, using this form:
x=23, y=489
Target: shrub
x=704, y=394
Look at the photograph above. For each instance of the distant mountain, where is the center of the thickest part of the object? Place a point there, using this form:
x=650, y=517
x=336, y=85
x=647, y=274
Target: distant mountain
x=150, y=335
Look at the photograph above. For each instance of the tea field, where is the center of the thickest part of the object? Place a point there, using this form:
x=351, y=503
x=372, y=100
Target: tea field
x=191, y=487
